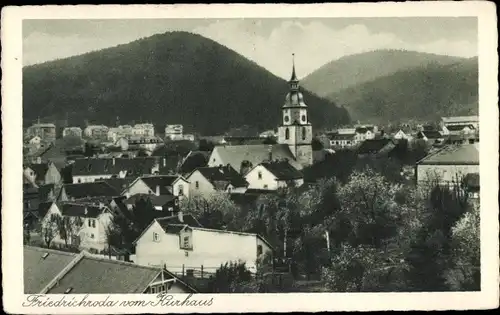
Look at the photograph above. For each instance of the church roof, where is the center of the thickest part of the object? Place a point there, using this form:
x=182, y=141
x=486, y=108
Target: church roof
x=256, y=154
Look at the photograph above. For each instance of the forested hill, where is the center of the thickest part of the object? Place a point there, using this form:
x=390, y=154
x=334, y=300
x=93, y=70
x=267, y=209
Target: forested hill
x=175, y=77
x=424, y=93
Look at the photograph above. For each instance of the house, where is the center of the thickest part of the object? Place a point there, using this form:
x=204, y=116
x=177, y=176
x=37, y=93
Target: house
x=461, y=129
x=47, y=132
x=49, y=192
x=96, y=132
x=144, y=130
x=254, y=154
x=186, y=247
x=274, y=175
x=431, y=136
x=143, y=143
x=206, y=180
x=43, y=173
x=461, y=120
x=30, y=199
x=49, y=271
x=89, y=221
x=36, y=141
x=449, y=164
x=70, y=192
x=375, y=147
x=169, y=204
x=268, y=134
x=401, y=135
x=93, y=169
x=365, y=133
x=72, y=132
x=174, y=132
x=158, y=185
x=342, y=140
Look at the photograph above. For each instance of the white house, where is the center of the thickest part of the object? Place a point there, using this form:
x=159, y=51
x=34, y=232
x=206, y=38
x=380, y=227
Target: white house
x=206, y=180
x=182, y=247
x=36, y=140
x=42, y=173
x=72, y=131
x=365, y=133
x=401, y=135
x=343, y=140
x=96, y=132
x=461, y=120
x=274, y=175
x=449, y=164
x=88, y=221
x=158, y=185
x=174, y=132
x=143, y=130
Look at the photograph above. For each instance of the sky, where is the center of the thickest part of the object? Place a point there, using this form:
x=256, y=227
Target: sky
x=268, y=42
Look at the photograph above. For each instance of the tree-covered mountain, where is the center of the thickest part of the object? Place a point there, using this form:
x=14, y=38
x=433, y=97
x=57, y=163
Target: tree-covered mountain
x=425, y=93
x=175, y=77
x=355, y=69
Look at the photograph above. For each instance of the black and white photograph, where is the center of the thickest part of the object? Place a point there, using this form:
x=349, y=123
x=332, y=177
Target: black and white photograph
x=187, y=155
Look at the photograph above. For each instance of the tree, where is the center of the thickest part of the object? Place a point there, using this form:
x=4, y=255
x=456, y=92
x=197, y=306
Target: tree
x=50, y=229
x=72, y=143
x=67, y=227
x=233, y=277
x=205, y=145
x=316, y=144
x=245, y=167
x=465, y=273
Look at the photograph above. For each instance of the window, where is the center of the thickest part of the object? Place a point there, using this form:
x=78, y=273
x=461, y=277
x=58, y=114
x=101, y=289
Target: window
x=153, y=289
x=79, y=180
x=181, y=190
x=287, y=134
x=186, y=242
x=303, y=118
x=304, y=133
x=90, y=222
x=156, y=237
x=92, y=235
x=259, y=175
x=229, y=189
x=287, y=119
x=197, y=184
x=265, y=186
x=259, y=250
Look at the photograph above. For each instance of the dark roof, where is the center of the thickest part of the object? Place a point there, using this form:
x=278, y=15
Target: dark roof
x=80, y=210
x=39, y=271
x=282, y=170
x=339, y=136
x=430, y=134
x=40, y=170
x=164, y=181
x=155, y=200
x=96, y=275
x=465, y=154
x=222, y=176
x=43, y=208
x=373, y=145
x=188, y=219
x=119, y=184
x=92, y=166
x=458, y=127
x=45, y=190
x=94, y=189
x=364, y=129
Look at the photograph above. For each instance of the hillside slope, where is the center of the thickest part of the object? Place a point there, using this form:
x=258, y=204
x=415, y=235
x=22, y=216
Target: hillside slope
x=175, y=77
x=424, y=93
x=359, y=68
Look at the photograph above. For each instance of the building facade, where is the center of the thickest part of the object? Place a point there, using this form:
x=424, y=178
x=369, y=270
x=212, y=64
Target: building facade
x=72, y=132
x=174, y=132
x=47, y=132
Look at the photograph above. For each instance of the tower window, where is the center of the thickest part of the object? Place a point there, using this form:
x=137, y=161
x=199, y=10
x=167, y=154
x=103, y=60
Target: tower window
x=303, y=118
x=303, y=133
x=287, y=134
x=287, y=119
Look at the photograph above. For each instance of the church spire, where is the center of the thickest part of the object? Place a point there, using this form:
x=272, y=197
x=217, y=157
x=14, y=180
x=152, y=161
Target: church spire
x=294, y=82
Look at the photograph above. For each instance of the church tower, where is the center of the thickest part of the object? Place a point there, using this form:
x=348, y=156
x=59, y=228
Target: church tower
x=295, y=129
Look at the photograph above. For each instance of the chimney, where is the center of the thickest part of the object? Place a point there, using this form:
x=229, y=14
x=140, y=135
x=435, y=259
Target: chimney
x=157, y=190
x=180, y=216
x=113, y=161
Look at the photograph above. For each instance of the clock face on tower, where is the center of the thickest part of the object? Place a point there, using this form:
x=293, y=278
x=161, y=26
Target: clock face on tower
x=287, y=119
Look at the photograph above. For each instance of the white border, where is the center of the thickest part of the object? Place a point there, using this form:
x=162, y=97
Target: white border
x=11, y=35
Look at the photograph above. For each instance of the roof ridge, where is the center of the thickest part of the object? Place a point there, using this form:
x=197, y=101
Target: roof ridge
x=49, y=250
x=119, y=262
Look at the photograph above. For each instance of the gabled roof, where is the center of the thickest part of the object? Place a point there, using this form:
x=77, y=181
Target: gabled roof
x=364, y=129
x=40, y=170
x=430, y=134
x=113, y=166
x=373, y=145
x=157, y=201
x=119, y=184
x=43, y=208
x=222, y=176
x=340, y=136
x=80, y=210
x=465, y=154
x=256, y=153
x=85, y=273
x=282, y=170
x=45, y=190
x=165, y=182
x=93, y=189
x=187, y=219
x=39, y=271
